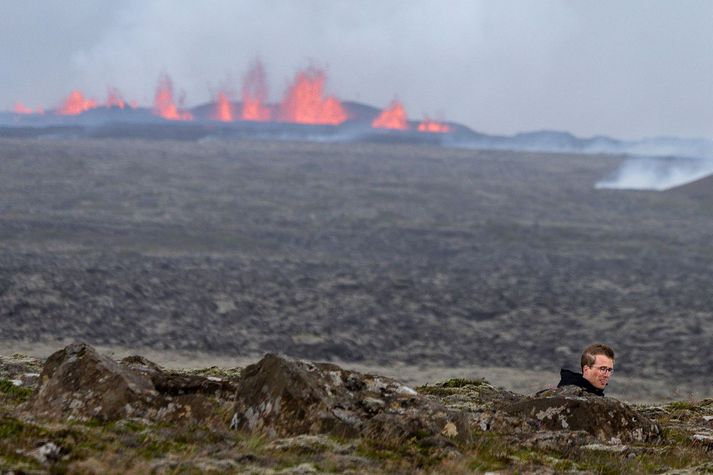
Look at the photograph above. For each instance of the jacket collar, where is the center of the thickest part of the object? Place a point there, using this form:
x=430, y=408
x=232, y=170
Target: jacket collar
x=570, y=378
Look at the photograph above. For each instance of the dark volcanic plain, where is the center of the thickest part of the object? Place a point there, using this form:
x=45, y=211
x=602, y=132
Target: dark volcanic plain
x=363, y=253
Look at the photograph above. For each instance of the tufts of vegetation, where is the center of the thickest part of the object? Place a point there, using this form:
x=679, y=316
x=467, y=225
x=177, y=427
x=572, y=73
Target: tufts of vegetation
x=10, y=428
x=684, y=406
x=17, y=393
x=137, y=446
x=461, y=382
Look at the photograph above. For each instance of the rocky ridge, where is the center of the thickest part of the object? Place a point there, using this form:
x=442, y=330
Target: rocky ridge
x=83, y=412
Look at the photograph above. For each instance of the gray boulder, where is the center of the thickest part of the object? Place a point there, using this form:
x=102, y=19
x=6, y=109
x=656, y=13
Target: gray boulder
x=572, y=409
x=284, y=397
x=77, y=382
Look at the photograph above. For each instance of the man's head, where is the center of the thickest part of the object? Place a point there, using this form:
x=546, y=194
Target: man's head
x=598, y=364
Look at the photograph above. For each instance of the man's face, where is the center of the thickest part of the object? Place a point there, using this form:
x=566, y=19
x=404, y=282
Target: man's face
x=599, y=373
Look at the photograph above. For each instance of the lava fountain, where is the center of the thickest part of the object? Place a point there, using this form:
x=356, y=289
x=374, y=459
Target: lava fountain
x=75, y=104
x=304, y=101
x=393, y=117
x=223, y=108
x=163, y=101
x=22, y=109
x=114, y=98
x=255, y=94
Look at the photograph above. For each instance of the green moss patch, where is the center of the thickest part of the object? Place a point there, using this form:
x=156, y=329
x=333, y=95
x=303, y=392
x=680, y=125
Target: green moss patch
x=461, y=382
x=13, y=392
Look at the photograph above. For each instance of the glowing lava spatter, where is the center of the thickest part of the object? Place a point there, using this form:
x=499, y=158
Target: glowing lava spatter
x=75, y=104
x=254, y=110
x=393, y=117
x=163, y=101
x=223, y=108
x=428, y=125
x=304, y=102
x=255, y=94
x=115, y=99
x=21, y=108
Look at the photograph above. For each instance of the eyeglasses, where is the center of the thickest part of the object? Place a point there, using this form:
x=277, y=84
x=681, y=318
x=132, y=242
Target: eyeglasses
x=603, y=369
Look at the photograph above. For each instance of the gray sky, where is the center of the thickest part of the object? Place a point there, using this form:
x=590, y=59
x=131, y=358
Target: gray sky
x=628, y=69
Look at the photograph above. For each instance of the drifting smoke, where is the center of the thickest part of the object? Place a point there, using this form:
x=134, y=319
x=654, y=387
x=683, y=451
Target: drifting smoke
x=655, y=173
x=653, y=164
x=660, y=164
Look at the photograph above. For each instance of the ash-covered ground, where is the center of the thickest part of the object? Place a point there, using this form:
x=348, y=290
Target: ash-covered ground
x=364, y=253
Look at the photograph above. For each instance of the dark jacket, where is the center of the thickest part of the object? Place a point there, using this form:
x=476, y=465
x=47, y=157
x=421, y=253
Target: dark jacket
x=570, y=378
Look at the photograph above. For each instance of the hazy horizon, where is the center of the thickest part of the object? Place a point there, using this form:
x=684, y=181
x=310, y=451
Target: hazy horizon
x=632, y=70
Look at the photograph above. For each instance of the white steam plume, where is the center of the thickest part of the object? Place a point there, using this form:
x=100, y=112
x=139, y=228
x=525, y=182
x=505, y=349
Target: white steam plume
x=657, y=173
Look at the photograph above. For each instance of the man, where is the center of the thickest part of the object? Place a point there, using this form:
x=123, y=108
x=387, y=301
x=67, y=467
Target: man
x=597, y=367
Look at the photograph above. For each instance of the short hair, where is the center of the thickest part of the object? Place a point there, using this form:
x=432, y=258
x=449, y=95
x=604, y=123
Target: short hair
x=589, y=354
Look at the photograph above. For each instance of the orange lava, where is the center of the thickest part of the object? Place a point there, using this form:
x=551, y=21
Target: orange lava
x=115, y=99
x=393, y=117
x=223, y=108
x=304, y=102
x=428, y=125
x=21, y=108
x=255, y=94
x=163, y=101
x=75, y=104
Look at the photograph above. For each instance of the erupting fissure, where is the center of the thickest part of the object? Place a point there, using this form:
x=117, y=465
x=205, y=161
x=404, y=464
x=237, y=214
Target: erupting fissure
x=304, y=102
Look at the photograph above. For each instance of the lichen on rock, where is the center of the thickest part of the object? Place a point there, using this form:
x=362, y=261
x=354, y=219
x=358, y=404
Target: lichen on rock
x=322, y=398
x=79, y=383
x=605, y=418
